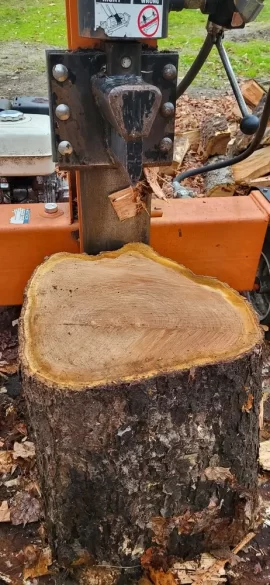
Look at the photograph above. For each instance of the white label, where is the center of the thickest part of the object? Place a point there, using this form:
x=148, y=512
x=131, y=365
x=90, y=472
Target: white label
x=134, y=19
x=21, y=216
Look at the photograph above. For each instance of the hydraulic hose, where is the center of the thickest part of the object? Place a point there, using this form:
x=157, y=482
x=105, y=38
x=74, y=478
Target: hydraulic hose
x=229, y=162
x=196, y=65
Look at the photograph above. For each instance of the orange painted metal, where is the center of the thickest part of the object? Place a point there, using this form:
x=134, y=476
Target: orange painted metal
x=24, y=247
x=75, y=40
x=217, y=236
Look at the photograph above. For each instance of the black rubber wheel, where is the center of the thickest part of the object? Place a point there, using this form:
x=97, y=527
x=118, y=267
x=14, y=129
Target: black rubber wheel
x=260, y=299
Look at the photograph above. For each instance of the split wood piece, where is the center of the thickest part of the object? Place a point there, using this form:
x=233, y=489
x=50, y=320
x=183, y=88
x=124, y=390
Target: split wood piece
x=127, y=203
x=260, y=182
x=242, y=141
x=137, y=376
x=181, y=147
x=252, y=92
x=151, y=174
x=215, y=135
x=220, y=183
x=253, y=167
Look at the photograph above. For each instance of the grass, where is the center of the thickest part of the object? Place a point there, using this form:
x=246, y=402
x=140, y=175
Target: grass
x=42, y=21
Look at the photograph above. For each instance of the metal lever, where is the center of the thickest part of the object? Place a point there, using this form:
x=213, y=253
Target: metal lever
x=249, y=124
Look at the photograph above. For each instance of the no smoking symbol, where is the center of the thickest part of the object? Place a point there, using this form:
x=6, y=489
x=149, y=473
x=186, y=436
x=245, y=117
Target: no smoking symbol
x=148, y=21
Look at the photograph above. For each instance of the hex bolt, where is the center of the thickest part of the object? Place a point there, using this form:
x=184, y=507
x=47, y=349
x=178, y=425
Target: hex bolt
x=62, y=112
x=60, y=72
x=169, y=72
x=51, y=207
x=167, y=110
x=65, y=148
x=165, y=145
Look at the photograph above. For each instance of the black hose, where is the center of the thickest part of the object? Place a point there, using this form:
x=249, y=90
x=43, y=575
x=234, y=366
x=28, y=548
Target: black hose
x=229, y=162
x=196, y=65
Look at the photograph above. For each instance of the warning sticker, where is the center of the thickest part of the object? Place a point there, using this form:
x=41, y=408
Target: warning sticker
x=148, y=21
x=20, y=216
x=127, y=18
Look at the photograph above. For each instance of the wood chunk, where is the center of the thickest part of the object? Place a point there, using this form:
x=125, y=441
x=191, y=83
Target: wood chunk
x=125, y=203
x=255, y=166
x=135, y=373
x=215, y=135
x=252, y=92
x=220, y=183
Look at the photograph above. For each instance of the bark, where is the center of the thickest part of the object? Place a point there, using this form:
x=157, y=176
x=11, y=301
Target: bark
x=215, y=135
x=147, y=449
x=219, y=183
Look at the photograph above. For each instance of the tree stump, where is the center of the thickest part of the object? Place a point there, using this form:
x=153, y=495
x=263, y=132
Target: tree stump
x=143, y=387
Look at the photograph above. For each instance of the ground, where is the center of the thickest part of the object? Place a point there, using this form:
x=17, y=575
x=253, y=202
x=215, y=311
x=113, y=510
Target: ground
x=29, y=27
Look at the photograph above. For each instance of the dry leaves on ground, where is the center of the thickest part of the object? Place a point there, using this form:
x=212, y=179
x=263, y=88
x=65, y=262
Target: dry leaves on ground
x=24, y=450
x=25, y=509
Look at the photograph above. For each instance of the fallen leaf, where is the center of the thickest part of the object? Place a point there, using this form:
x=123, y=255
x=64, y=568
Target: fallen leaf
x=24, y=509
x=4, y=512
x=37, y=561
x=24, y=450
x=6, y=461
x=5, y=578
x=161, y=578
x=219, y=474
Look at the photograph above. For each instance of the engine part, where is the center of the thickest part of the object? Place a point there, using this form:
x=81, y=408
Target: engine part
x=25, y=144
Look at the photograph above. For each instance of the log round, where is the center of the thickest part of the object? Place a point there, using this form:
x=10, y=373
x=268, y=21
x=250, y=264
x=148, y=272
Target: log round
x=143, y=387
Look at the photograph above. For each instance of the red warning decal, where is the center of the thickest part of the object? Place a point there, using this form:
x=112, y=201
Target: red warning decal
x=148, y=21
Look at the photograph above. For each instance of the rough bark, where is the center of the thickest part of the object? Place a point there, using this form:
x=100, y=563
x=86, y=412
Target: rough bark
x=215, y=135
x=148, y=456
x=219, y=183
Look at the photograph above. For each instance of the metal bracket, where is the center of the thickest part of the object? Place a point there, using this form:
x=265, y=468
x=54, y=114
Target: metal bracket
x=78, y=129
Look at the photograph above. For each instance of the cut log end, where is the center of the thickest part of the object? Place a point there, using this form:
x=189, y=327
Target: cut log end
x=133, y=315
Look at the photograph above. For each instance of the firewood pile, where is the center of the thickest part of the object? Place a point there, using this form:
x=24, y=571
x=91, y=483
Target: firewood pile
x=207, y=130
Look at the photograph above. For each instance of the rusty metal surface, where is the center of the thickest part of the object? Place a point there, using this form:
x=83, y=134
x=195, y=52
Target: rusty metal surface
x=84, y=129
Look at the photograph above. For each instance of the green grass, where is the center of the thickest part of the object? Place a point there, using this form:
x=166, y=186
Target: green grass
x=43, y=21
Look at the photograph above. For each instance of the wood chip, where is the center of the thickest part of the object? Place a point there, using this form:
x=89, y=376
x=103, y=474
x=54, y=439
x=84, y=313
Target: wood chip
x=265, y=455
x=125, y=203
x=4, y=512
x=151, y=174
x=181, y=147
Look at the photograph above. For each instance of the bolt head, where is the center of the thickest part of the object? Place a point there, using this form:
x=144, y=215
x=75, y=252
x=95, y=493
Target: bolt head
x=165, y=145
x=51, y=207
x=65, y=148
x=126, y=62
x=60, y=72
x=167, y=110
x=169, y=72
x=62, y=112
